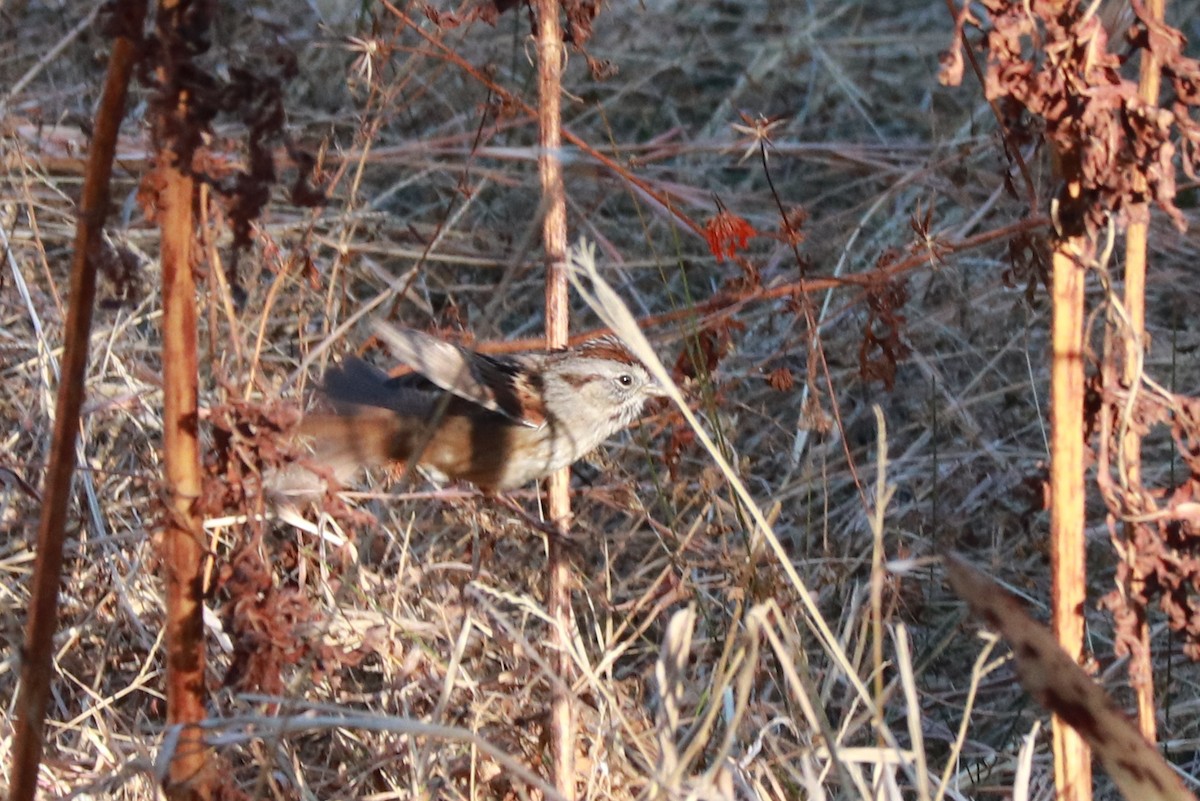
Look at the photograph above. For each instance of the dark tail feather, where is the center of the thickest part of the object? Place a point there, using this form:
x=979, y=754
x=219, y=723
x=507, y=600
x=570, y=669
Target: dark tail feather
x=356, y=382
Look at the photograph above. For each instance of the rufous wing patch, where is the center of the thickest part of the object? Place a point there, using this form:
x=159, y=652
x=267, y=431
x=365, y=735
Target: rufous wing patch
x=494, y=384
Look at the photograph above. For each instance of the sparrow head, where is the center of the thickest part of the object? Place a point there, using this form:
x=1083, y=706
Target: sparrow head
x=609, y=384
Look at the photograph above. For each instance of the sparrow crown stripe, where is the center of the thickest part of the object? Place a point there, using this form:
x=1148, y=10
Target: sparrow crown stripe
x=607, y=347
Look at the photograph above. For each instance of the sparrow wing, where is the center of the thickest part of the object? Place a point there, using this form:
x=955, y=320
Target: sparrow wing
x=499, y=385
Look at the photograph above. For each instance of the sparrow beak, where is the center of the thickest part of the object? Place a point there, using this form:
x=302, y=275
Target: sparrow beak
x=656, y=391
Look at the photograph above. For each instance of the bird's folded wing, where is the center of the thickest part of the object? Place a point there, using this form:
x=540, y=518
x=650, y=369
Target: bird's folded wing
x=496, y=385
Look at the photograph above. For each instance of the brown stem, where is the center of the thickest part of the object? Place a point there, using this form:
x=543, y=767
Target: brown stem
x=47, y=572
x=1141, y=671
x=189, y=776
x=1072, y=758
x=554, y=236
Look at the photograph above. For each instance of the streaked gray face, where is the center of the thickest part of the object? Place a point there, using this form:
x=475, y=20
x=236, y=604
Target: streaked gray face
x=626, y=388
x=608, y=395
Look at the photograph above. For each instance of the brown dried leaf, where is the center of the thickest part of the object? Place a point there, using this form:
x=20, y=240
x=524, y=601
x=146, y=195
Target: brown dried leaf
x=1060, y=685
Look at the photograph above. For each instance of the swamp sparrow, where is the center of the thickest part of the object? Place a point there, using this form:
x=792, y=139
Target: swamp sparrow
x=496, y=421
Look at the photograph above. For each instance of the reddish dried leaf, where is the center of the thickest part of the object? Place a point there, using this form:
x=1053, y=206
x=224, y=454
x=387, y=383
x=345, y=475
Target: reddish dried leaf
x=882, y=347
x=727, y=233
x=781, y=379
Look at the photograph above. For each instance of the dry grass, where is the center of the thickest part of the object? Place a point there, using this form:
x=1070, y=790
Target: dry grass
x=406, y=643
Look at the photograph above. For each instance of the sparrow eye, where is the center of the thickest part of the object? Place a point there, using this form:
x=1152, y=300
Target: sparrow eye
x=625, y=380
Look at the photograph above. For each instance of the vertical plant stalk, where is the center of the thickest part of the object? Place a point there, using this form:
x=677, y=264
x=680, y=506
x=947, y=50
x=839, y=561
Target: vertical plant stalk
x=1072, y=757
x=1141, y=669
x=561, y=725
x=189, y=776
x=36, y=668
x=182, y=549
